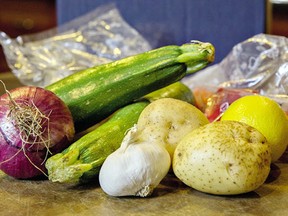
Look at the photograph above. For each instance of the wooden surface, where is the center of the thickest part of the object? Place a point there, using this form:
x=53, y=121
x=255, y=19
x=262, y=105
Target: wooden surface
x=42, y=197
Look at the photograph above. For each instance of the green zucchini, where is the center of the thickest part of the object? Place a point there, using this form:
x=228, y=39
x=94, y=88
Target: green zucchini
x=95, y=93
x=82, y=160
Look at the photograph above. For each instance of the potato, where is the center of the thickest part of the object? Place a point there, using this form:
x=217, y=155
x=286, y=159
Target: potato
x=223, y=158
x=166, y=121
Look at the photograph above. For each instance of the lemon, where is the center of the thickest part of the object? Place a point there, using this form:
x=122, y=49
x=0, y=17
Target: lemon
x=266, y=116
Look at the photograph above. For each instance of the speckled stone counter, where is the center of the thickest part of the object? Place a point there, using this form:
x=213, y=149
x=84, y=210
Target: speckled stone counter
x=44, y=198
x=41, y=197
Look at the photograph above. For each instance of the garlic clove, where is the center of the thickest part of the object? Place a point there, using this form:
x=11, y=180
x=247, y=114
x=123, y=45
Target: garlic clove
x=134, y=169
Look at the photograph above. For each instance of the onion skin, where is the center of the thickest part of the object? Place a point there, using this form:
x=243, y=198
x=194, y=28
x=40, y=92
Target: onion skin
x=24, y=161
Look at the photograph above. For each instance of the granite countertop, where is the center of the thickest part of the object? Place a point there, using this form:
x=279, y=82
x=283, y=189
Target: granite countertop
x=42, y=197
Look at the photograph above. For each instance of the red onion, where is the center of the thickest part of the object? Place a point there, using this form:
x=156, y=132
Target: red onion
x=34, y=124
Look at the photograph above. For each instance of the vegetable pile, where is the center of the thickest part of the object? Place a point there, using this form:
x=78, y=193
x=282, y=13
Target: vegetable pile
x=128, y=123
x=144, y=157
x=82, y=160
x=37, y=123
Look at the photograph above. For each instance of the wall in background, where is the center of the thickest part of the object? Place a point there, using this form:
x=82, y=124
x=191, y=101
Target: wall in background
x=18, y=17
x=223, y=23
x=279, y=19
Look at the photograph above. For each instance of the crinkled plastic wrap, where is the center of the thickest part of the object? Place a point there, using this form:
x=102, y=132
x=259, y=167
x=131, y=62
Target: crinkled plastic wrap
x=260, y=62
x=257, y=65
x=95, y=38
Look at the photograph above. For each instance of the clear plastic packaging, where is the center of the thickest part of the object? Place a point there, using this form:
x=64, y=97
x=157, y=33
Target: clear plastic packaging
x=257, y=65
x=260, y=62
x=95, y=38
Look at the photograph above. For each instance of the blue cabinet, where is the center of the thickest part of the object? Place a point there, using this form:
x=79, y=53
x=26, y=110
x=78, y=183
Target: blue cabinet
x=224, y=23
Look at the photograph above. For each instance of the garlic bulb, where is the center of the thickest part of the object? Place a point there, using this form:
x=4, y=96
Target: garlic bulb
x=134, y=169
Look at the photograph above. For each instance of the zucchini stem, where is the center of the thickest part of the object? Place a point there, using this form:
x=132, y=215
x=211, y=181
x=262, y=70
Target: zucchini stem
x=196, y=55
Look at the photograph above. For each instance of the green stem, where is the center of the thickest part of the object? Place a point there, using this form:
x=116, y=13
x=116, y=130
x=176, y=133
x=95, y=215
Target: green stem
x=196, y=55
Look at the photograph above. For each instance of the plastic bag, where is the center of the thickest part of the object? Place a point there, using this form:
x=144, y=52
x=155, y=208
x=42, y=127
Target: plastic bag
x=95, y=38
x=257, y=65
x=260, y=62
